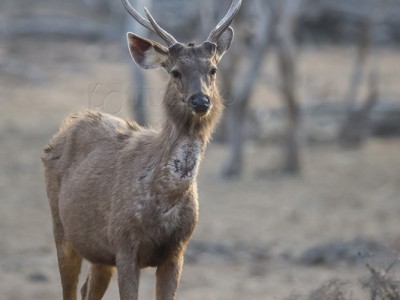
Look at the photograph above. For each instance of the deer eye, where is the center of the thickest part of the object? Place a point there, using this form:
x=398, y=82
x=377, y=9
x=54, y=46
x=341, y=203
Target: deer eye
x=176, y=74
x=213, y=71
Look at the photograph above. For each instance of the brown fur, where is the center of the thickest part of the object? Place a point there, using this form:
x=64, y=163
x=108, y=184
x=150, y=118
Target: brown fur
x=126, y=196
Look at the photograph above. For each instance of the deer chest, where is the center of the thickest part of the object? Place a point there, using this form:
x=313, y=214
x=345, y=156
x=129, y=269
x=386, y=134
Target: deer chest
x=166, y=232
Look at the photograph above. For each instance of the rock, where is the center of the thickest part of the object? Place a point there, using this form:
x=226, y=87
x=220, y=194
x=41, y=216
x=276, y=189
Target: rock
x=37, y=277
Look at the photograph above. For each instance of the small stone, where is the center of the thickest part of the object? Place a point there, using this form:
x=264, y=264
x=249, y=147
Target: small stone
x=37, y=277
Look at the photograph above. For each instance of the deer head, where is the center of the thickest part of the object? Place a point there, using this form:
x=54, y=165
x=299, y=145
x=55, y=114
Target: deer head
x=192, y=91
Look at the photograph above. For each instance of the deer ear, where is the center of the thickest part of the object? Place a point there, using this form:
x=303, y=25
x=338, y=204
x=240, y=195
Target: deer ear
x=224, y=42
x=146, y=53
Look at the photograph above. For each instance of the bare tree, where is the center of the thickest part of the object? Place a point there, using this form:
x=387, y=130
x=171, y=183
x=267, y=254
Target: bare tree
x=355, y=127
x=353, y=130
x=138, y=83
x=242, y=72
x=286, y=48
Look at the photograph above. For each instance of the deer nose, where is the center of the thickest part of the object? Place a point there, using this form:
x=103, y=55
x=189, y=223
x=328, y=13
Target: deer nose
x=199, y=103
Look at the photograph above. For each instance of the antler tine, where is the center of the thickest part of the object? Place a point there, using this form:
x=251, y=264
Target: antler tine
x=225, y=22
x=167, y=37
x=129, y=8
x=150, y=24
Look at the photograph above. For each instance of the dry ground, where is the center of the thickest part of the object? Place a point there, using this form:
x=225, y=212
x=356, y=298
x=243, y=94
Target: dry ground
x=251, y=230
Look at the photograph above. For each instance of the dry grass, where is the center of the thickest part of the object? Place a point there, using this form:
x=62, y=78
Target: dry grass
x=381, y=284
x=332, y=290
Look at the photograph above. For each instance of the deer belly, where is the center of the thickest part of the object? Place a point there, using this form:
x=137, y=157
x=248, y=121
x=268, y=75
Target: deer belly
x=90, y=241
x=87, y=233
x=95, y=253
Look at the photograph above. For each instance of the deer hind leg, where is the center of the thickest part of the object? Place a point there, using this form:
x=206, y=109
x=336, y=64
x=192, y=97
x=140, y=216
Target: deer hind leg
x=69, y=263
x=97, y=282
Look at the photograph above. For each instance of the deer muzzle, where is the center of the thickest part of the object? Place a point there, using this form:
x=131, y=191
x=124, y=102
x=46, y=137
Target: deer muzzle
x=200, y=104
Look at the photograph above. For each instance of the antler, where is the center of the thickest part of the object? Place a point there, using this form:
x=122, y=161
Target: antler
x=225, y=22
x=167, y=37
x=150, y=24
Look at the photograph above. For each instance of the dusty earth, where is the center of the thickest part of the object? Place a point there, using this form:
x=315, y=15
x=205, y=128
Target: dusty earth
x=251, y=231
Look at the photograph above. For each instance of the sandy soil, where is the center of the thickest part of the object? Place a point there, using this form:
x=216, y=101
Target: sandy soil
x=251, y=230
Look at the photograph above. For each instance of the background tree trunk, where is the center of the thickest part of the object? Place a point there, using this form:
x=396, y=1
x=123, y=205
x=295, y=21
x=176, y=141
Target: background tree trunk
x=288, y=73
x=238, y=85
x=354, y=128
x=137, y=97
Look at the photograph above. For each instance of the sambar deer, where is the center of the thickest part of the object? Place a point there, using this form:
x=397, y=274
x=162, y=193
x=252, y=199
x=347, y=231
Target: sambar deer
x=126, y=196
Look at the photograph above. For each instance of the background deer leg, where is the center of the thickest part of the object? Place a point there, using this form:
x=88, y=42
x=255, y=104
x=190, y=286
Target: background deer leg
x=168, y=275
x=97, y=282
x=69, y=263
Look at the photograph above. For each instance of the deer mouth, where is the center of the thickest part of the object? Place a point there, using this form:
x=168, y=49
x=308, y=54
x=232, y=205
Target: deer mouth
x=201, y=112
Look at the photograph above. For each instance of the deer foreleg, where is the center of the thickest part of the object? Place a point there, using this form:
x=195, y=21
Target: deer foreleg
x=168, y=276
x=128, y=276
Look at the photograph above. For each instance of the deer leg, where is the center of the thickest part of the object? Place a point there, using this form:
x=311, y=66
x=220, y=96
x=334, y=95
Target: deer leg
x=128, y=276
x=168, y=276
x=97, y=282
x=69, y=263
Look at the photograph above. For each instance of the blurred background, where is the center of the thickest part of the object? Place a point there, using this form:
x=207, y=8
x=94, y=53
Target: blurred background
x=301, y=184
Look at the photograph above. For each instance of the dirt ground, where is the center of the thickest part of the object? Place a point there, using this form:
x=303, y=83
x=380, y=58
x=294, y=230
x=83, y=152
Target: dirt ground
x=251, y=231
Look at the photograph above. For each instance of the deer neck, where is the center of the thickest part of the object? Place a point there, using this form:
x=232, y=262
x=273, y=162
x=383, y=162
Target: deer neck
x=184, y=137
x=183, y=152
x=173, y=135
